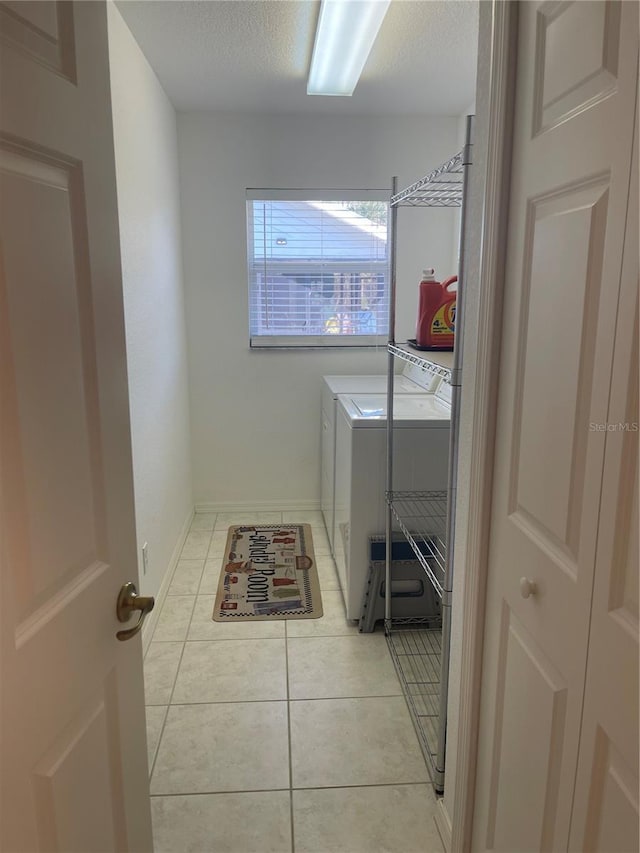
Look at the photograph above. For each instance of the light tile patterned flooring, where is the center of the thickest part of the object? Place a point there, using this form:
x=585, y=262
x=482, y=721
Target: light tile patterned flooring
x=281, y=736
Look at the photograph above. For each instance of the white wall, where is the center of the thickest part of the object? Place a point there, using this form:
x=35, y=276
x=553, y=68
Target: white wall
x=149, y=214
x=256, y=415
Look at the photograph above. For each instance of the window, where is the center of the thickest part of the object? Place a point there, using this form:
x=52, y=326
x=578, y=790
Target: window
x=318, y=267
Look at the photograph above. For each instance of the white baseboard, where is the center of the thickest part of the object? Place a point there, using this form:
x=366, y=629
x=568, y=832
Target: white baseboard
x=258, y=506
x=443, y=824
x=151, y=620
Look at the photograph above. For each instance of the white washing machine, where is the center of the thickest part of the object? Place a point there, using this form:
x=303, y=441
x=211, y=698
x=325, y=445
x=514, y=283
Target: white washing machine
x=420, y=462
x=413, y=380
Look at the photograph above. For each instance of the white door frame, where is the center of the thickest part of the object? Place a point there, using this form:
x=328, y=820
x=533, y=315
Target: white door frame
x=486, y=242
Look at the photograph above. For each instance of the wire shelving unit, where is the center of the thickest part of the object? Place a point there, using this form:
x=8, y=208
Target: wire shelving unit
x=427, y=519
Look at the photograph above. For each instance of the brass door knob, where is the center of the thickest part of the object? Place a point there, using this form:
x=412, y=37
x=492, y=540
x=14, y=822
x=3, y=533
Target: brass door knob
x=128, y=602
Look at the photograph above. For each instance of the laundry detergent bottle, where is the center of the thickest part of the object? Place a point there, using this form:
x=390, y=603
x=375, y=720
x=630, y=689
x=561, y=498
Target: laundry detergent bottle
x=436, y=312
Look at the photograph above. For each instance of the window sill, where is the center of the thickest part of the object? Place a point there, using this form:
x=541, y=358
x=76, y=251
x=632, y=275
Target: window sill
x=290, y=342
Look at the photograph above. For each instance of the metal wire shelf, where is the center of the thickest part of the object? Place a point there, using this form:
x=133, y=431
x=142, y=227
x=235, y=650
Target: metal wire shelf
x=440, y=188
x=428, y=360
x=426, y=519
x=422, y=517
x=429, y=622
x=416, y=656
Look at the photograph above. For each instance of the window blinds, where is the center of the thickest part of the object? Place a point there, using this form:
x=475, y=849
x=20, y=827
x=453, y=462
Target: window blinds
x=318, y=268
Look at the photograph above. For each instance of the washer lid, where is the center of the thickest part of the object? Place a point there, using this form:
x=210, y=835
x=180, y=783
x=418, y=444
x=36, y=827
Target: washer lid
x=409, y=411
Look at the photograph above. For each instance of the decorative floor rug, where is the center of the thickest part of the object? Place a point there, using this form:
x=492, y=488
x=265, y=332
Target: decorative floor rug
x=268, y=572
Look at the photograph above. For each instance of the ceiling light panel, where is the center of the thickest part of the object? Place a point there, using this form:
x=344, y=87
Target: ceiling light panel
x=345, y=35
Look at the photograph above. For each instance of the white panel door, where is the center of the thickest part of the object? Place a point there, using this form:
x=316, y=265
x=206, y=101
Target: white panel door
x=605, y=815
x=575, y=107
x=74, y=768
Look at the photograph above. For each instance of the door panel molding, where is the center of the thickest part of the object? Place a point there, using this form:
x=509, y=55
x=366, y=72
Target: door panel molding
x=88, y=741
x=60, y=386
x=518, y=651
x=613, y=796
x=551, y=517
x=43, y=32
x=63, y=598
x=623, y=590
x=581, y=85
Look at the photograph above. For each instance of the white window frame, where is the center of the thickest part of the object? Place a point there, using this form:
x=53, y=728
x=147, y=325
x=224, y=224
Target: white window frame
x=259, y=342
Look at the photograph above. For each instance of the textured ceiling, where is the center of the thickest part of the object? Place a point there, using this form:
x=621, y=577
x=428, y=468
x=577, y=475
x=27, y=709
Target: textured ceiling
x=250, y=56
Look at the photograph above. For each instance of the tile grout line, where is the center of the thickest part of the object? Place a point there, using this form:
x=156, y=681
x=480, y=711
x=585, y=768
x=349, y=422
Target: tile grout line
x=238, y=791
x=240, y=639
x=286, y=652
x=175, y=594
x=274, y=701
x=426, y=784
x=157, y=749
x=286, y=659
x=164, y=722
x=166, y=716
x=173, y=688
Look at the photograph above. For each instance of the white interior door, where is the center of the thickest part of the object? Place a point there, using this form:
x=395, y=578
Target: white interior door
x=605, y=814
x=575, y=107
x=74, y=767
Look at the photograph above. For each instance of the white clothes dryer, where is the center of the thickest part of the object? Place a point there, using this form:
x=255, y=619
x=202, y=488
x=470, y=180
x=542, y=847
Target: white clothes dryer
x=421, y=457
x=414, y=379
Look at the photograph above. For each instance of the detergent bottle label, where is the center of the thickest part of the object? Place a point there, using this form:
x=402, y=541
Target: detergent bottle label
x=444, y=320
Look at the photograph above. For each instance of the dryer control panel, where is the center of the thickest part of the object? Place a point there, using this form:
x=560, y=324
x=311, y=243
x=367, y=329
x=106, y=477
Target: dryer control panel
x=424, y=376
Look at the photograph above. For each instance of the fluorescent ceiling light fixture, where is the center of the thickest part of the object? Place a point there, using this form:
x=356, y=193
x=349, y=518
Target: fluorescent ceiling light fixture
x=345, y=35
